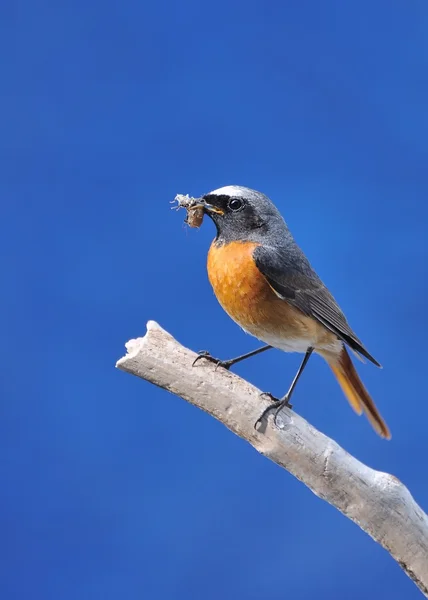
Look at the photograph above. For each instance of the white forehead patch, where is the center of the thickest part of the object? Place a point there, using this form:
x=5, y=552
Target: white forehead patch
x=228, y=190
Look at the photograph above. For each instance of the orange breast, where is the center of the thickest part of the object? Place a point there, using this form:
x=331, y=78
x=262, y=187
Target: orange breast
x=245, y=295
x=238, y=284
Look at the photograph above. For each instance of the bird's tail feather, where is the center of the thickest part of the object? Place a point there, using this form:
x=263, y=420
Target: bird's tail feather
x=355, y=392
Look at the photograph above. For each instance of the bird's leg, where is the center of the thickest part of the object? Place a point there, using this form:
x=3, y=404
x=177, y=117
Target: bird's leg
x=277, y=404
x=226, y=364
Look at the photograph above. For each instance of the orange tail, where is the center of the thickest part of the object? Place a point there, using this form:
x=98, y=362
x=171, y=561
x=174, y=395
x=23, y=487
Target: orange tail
x=355, y=391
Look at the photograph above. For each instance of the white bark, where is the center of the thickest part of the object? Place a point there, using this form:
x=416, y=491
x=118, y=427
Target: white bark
x=378, y=502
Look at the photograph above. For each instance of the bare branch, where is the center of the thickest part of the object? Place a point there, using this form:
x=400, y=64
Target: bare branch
x=378, y=502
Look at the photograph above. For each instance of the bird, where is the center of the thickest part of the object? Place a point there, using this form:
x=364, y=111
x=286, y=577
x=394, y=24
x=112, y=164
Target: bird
x=265, y=283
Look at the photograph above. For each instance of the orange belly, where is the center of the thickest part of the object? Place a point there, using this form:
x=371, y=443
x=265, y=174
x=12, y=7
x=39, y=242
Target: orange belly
x=246, y=296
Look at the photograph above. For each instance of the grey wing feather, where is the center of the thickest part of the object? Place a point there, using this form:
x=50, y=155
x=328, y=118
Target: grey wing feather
x=289, y=273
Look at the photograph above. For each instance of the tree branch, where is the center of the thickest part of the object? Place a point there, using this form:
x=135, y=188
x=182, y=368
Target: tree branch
x=378, y=502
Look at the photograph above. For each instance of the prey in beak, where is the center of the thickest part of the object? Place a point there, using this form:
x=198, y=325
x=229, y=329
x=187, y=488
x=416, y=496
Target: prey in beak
x=196, y=209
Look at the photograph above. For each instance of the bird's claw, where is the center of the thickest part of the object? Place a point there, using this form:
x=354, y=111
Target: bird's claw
x=226, y=364
x=202, y=354
x=277, y=405
x=270, y=396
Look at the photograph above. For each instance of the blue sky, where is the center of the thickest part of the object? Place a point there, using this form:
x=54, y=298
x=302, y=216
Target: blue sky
x=112, y=488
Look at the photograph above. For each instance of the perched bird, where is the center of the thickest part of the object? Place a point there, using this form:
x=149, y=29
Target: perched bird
x=266, y=284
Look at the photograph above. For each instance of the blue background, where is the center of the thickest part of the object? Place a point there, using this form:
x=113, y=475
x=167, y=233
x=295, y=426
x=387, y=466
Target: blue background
x=112, y=488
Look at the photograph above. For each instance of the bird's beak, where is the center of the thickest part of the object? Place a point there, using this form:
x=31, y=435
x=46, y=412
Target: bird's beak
x=200, y=203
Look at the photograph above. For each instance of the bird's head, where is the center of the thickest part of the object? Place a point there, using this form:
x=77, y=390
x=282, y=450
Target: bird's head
x=242, y=214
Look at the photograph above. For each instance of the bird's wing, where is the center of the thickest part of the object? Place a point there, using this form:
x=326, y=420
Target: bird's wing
x=291, y=277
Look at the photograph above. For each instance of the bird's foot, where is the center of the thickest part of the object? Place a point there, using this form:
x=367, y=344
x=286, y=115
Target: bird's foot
x=226, y=364
x=277, y=405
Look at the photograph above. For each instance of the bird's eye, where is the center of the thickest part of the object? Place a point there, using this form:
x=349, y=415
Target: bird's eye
x=235, y=204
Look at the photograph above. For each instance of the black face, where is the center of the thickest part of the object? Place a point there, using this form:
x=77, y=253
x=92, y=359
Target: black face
x=235, y=217
x=224, y=203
